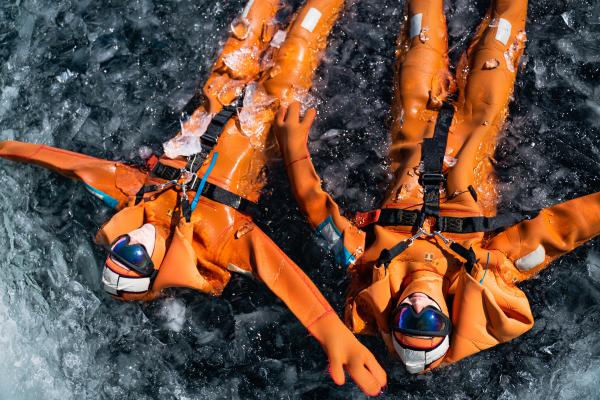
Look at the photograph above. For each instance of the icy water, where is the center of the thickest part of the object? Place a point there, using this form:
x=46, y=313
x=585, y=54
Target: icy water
x=106, y=77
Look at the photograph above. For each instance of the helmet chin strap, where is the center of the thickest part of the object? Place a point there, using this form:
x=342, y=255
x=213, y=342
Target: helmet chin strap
x=417, y=360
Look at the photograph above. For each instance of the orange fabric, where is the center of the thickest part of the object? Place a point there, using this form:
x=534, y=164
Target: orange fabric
x=201, y=254
x=487, y=307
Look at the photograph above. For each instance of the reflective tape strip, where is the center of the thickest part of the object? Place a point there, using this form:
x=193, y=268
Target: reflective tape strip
x=415, y=25
x=532, y=259
x=504, y=31
x=134, y=285
x=312, y=18
x=247, y=9
x=108, y=200
x=110, y=279
x=115, y=283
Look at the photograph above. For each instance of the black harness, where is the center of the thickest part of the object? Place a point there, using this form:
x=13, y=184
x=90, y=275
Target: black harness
x=172, y=175
x=431, y=179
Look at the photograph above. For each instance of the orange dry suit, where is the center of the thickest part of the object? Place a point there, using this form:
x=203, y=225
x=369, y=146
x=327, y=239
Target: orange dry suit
x=200, y=240
x=469, y=260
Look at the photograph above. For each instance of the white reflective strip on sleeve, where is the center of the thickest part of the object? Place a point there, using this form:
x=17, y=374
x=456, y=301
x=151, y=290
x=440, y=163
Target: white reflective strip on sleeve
x=416, y=23
x=313, y=16
x=504, y=30
x=247, y=9
x=110, y=280
x=134, y=285
x=532, y=259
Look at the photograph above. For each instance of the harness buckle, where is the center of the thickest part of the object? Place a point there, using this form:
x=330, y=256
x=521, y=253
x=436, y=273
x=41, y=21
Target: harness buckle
x=429, y=179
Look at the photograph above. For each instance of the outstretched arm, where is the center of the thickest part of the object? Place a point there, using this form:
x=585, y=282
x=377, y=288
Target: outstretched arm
x=321, y=210
x=255, y=251
x=110, y=181
x=557, y=230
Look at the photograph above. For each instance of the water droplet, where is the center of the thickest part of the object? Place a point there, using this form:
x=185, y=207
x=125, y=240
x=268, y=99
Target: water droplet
x=240, y=28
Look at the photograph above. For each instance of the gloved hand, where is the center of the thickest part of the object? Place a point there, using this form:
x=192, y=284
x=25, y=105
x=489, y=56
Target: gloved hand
x=346, y=353
x=292, y=132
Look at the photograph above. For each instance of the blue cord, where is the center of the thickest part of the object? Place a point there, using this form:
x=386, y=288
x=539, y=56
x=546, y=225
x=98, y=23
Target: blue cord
x=213, y=161
x=487, y=264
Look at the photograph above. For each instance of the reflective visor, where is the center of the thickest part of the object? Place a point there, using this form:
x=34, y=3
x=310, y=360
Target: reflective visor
x=133, y=256
x=429, y=322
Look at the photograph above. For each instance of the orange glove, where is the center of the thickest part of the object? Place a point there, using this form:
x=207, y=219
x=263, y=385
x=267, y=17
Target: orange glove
x=345, y=352
x=323, y=213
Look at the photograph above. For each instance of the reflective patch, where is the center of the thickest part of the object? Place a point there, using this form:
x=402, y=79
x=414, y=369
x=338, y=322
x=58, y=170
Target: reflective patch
x=114, y=283
x=532, y=259
x=110, y=280
x=416, y=361
x=313, y=16
x=133, y=285
x=108, y=200
x=504, y=30
x=247, y=9
x=416, y=23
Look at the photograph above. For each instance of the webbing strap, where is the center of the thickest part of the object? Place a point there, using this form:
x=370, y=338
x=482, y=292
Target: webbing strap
x=397, y=217
x=215, y=128
x=387, y=255
x=209, y=191
x=432, y=159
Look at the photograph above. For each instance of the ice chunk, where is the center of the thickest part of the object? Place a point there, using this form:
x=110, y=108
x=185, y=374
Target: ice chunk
x=173, y=313
x=257, y=109
x=187, y=142
x=66, y=76
x=242, y=61
x=9, y=94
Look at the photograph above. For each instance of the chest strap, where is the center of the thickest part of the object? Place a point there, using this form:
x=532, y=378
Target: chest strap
x=210, y=191
x=397, y=217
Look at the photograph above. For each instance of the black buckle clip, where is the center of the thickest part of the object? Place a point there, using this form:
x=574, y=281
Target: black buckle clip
x=432, y=179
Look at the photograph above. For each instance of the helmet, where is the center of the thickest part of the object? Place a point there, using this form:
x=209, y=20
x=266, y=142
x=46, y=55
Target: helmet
x=420, y=331
x=133, y=261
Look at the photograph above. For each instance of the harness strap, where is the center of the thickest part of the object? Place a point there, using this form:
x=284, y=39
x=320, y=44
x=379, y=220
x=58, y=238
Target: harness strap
x=467, y=254
x=433, y=151
x=210, y=191
x=387, y=255
x=215, y=128
x=398, y=217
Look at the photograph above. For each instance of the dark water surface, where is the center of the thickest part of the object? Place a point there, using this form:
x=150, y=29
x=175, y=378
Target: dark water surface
x=106, y=77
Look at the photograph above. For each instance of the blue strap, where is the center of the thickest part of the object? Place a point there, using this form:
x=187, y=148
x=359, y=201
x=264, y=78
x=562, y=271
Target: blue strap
x=213, y=161
x=487, y=264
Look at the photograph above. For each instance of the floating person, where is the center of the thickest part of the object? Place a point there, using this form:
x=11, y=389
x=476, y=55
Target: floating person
x=435, y=271
x=186, y=219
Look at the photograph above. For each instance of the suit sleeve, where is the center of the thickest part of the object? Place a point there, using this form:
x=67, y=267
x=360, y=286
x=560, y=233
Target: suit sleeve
x=112, y=182
x=557, y=230
x=323, y=213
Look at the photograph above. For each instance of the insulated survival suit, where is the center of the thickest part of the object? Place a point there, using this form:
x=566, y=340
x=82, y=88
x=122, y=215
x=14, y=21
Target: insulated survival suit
x=438, y=231
x=188, y=215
